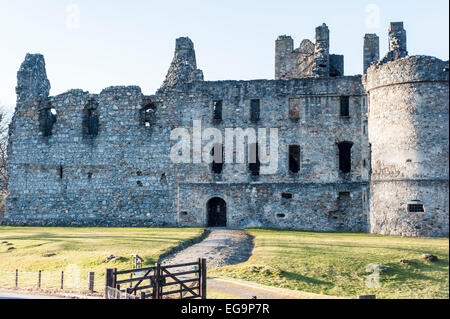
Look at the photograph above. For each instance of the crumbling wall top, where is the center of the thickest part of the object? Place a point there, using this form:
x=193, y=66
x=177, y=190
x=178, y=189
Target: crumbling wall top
x=184, y=43
x=120, y=90
x=397, y=37
x=306, y=47
x=183, y=68
x=371, y=50
x=32, y=79
x=409, y=69
x=321, y=66
x=397, y=43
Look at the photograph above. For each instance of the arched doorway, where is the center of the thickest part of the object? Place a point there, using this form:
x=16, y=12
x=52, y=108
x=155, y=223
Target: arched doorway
x=217, y=212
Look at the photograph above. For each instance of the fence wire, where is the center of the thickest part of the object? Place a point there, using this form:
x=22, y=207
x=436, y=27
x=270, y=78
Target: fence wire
x=69, y=281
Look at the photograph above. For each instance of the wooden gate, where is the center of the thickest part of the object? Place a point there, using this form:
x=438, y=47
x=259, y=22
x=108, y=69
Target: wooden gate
x=182, y=281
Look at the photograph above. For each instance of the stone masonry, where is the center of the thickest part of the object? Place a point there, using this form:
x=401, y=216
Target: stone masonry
x=83, y=159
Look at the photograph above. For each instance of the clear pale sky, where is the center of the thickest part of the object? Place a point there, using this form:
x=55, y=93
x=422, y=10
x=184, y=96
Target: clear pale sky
x=132, y=42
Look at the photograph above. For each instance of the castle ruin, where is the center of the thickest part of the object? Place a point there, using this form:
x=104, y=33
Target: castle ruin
x=356, y=153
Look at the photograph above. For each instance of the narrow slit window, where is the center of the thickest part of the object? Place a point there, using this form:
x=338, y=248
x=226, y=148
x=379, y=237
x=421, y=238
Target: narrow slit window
x=217, y=154
x=255, y=110
x=148, y=114
x=294, y=109
x=217, y=108
x=294, y=158
x=345, y=106
x=91, y=121
x=345, y=156
x=61, y=172
x=253, y=159
x=47, y=119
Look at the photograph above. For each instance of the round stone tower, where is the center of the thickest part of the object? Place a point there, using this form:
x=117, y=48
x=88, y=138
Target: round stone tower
x=409, y=136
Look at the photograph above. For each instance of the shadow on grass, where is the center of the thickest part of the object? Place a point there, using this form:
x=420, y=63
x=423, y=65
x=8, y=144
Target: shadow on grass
x=308, y=280
x=317, y=247
x=122, y=259
x=417, y=271
x=116, y=237
x=414, y=272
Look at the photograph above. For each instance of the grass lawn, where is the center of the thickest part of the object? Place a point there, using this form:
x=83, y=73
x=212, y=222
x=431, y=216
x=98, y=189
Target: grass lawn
x=81, y=250
x=335, y=264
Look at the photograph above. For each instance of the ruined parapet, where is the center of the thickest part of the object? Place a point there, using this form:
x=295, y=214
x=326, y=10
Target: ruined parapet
x=309, y=60
x=184, y=66
x=290, y=63
x=284, y=46
x=397, y=39
x=32, y=82
x=32, y=91
x=408, y=131
x=397, y=43
x=321, y=67
x=304, y=59
x=371, y=50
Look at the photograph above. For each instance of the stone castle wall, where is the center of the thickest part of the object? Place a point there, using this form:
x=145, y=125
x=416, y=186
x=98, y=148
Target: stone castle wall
x=256, y=200
x=81, y=159
x=124, y=175
x=408, y=103
x=73, y=179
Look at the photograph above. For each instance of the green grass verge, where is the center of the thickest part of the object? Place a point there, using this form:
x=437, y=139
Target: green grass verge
x=81, y=250
x=335, y=264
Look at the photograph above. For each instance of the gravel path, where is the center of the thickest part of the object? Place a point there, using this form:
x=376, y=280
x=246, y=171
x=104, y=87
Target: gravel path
x=222, y=247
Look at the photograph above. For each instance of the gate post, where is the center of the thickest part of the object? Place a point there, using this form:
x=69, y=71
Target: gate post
x=109, y=280
x=39, y=279
x=202, y=266
x=115, y=278
x=156, y=287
